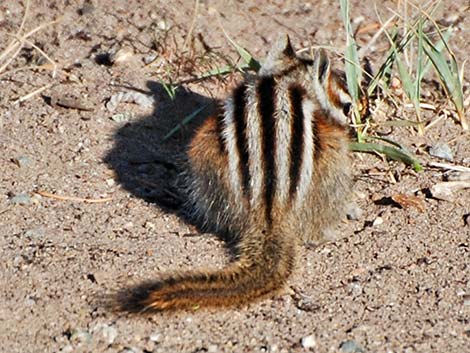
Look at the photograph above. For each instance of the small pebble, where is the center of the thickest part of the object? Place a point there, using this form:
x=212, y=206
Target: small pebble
x=109, y=333
x=149, y=225
x=155, y=337
x=21, y=199
x=350, y=346
x=73, y=78
x=353, y=211
x=451, y=19
x=466, y=301
x=34, y=233
x=148, y=59
x=163, y=25
x=131, y=350
x=148, y=346
x=213, y=348
x=378, y=221
x=80, y=336
x=110, y=182
x=355, y=288
x=66, y=349
x=129, y=225
x=308, y=342
x=441, y=150
x=358, y=19
x=30, y=301
x=121, y=56
x=22, y=161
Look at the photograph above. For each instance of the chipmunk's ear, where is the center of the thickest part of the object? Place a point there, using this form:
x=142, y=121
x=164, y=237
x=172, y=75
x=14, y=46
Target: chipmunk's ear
x=331, y=91
x=280, y=54
x=283, y=47
x=321, y=66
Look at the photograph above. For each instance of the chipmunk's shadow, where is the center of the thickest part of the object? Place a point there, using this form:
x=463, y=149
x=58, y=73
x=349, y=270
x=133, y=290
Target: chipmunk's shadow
x=146, y=163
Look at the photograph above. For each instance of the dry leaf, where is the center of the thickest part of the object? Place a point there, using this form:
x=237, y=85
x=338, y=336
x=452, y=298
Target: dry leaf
x=407, y=201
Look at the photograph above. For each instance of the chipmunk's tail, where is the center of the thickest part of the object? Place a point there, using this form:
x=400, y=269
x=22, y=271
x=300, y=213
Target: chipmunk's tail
x=263, y=266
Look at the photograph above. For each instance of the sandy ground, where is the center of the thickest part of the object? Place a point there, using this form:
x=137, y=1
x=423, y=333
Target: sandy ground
x=399, y=280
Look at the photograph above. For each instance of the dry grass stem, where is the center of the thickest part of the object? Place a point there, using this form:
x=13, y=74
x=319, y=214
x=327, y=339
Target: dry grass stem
x=72, y=198
x=32, y=94
x=446, y=166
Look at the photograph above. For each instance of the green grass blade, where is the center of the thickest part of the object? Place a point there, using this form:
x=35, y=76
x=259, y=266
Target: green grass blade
x=169, y=88
x=352, y=65
x=420, y=62
x=406, y=80
x=390, y=141
x=450, y=79
x=385, y=69
x=248, y=58
x=439, y=45
x=390, y=152
x=224, y=70
x=448, y=71
x=185, y=121
x=250, y=61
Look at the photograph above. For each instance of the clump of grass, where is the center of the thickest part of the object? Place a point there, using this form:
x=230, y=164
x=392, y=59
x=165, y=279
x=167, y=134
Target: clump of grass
x=248, y=63
x=19, y=40
x=352, y=68
x=411, y=55
x=448, y=71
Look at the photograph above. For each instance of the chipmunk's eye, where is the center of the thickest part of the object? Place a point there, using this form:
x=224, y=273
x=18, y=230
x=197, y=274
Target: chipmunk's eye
x=346, y=108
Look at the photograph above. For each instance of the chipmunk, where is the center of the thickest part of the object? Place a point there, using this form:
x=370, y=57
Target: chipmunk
x=272, y=170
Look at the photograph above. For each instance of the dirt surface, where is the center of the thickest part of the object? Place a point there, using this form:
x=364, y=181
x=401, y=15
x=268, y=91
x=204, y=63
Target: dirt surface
x=399, y=280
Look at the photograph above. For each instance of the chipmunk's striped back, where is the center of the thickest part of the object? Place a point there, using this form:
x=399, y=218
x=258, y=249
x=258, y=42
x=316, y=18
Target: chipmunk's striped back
x=271, y=169
x=269, y=130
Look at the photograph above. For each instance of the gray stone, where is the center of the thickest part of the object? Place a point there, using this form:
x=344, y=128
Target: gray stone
x=22, y=161
x=441, y=150
x=350, y=346
x=308, y=341
x=21, y=199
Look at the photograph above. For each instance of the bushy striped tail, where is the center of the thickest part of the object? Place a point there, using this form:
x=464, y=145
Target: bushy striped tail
x=263, y=267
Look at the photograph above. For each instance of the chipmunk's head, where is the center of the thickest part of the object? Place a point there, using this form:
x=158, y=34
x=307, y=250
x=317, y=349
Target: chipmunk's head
x=327, y=85
x=330, y=88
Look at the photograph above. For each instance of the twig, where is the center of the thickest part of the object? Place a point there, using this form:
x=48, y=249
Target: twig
x=31, y=94
x=362, y=52
x=458, y=168
x=17, y=44
x=48, y=58
x=191, y=29
x=13, y=43
x=12, y=57
x=72, y=198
